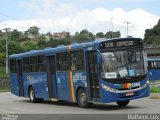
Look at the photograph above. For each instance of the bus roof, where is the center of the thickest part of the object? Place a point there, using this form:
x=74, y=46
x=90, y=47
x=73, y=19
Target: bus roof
x=62, y=48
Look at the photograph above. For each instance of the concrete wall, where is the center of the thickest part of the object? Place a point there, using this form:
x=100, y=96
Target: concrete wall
x=153, y=51
x=4, y=82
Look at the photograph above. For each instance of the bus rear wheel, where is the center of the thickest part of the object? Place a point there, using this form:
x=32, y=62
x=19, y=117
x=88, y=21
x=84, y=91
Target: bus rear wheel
x=123, y=103
x=32, y=95
x=83, y=99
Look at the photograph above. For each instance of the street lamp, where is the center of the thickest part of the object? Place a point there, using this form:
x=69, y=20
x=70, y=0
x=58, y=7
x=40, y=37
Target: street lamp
x=112, y=25
x=127, y=27
x=127, y=23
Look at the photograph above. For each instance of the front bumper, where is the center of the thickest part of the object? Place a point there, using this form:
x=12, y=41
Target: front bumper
x=109, y=96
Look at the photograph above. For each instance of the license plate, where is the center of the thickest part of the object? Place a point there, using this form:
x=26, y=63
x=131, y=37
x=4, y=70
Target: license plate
x=129, y=93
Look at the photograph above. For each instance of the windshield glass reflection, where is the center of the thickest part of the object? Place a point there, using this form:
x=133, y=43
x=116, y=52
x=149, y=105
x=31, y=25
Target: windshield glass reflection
x=121, y=64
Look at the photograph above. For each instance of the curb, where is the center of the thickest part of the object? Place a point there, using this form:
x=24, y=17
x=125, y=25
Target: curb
x=155, y=97
x=4, y=91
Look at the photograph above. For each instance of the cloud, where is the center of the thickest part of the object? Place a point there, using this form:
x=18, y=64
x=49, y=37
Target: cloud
x=50, y=15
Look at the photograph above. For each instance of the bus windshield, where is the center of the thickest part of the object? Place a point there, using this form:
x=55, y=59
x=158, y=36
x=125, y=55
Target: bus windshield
x=122, y=64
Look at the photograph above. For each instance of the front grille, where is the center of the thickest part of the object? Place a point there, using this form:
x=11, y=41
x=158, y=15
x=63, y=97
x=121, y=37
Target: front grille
x=120, y=89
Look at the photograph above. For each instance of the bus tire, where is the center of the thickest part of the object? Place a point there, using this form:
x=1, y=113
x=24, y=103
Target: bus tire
x=82, y=99
x=123, y=103
x=32, y=95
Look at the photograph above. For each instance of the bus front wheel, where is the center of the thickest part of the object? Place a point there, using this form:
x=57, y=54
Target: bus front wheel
x=83, y=99
x=32, y=95
x=123, y=103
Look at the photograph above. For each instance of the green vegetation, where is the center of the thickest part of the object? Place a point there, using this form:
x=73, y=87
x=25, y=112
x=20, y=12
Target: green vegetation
x=4, y=88
x=152, y=36
x=3, y=72
x=3, y=75
x=155, y=89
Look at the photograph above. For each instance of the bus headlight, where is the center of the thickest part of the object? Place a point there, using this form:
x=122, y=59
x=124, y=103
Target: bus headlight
x=145, y=85
x=107, y=88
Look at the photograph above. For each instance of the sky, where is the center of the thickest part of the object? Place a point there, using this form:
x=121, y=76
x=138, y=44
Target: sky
x=75, y=15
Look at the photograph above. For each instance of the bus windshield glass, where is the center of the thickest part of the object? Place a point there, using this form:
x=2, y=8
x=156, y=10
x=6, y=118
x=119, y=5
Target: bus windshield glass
x=122, y=64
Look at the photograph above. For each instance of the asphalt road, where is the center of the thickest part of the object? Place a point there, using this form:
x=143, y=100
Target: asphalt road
x=10, y=103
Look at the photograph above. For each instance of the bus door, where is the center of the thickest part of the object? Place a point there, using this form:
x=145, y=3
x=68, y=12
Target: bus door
x=20, y=77
x=92, y=75
x=51, y=76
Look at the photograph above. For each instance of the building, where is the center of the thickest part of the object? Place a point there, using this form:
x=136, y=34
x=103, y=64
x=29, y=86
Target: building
x=153, y=51
x=60, y=35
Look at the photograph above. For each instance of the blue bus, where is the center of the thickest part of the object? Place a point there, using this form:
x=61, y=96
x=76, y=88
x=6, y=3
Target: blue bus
x=107, y=70
x=154, y=69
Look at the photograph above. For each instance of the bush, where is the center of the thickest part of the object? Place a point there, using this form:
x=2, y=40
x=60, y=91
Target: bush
x=3, y=72
x=155, y=89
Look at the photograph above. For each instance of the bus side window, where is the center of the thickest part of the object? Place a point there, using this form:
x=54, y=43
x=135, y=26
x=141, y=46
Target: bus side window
x=149, y=65
x=41, y=64
x=63, y=61
x=77, y=62
x=13, y=66
x=33, y=62
x=26, y=64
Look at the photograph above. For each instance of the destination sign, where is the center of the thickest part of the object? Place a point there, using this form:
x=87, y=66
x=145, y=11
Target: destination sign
x=120, y=44
x=124, y=43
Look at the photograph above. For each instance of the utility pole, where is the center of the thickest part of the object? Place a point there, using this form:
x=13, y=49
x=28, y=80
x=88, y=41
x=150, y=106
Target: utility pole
x=112, y=26
x=6, y=38
x=127, y=27
x=127, y=23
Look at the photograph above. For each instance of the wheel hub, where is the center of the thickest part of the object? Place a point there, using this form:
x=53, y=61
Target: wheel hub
x=83, y=98
x=32, y=95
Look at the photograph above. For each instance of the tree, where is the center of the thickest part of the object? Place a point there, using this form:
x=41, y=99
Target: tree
x=83, y=36
x=55, y=42
x=111, y=34
x=100, y=35
x=14, y=48
x=152, y=36
x=16, y=35
x=2, y=52
x=84, y=31
x=33, y=31
x=41, y=44
x=24, y=38
x=2, y=45
x=29, y=45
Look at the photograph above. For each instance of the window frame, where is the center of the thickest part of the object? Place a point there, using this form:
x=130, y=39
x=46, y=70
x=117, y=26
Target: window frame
x=13, y=66
x=33, y=63
x=60, y=60
x=26, y=64
x=153, y=64
x=77, y=59
x=41, y=67
x=61, y=63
